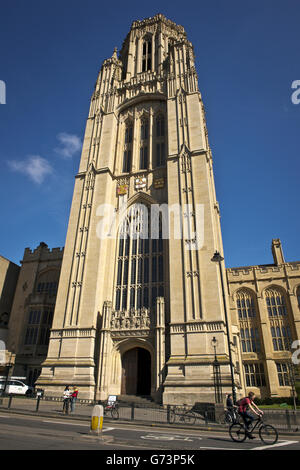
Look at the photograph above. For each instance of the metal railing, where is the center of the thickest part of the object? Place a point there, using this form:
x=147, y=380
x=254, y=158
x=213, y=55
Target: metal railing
x=203, y=414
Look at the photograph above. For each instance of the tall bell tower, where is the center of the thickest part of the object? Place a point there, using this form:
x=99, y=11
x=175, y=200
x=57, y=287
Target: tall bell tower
x=137, y=309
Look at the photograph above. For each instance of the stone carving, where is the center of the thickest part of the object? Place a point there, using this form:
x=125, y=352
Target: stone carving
x=185, y=163
x=192, y=273
x=132, y=319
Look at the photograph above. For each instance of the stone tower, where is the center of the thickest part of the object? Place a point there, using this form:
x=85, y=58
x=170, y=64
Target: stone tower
x=136, y=311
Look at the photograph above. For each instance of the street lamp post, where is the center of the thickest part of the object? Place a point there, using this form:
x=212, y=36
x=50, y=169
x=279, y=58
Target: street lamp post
x=8, y=367
x=217, y=258
x=217, y=374
x=291, y=372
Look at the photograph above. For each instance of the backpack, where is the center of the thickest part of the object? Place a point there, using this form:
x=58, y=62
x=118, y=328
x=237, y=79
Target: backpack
x=239, y=402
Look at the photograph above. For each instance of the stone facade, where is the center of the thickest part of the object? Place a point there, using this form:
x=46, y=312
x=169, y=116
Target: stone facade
x=265, y=313
x=9, y=273
x=145, y=144
x=32, y=310
x=137, y=311
x=262, y=360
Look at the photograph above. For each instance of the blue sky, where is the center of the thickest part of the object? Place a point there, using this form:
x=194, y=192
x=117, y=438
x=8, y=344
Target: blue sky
x=247, y=56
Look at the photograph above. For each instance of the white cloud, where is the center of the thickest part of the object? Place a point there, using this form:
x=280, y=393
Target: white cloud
x=69, y=145
x=36, y=167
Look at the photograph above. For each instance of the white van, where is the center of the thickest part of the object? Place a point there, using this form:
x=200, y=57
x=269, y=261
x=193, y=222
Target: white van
x=15, y=387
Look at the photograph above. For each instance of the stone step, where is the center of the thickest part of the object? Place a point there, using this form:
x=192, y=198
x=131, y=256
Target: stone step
x=138, y=400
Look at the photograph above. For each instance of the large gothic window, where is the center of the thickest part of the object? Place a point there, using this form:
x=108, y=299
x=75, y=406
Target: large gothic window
x=249, y=330
x=279, y=322
x=255, y=374
x=144, y=144
x=127, y=154
x=38, y=327
x=283, y=374
x=140, y=275
x=147, y=55
x=160, y=140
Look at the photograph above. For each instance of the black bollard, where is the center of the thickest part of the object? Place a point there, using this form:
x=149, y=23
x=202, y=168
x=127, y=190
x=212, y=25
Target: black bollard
x=9, y=401
x=132, y=411
x=38, y=403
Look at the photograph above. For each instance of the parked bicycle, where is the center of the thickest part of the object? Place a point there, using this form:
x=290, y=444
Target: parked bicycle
x=184, y=415
x=111, y=408
x=231, y=416
x=267, y=433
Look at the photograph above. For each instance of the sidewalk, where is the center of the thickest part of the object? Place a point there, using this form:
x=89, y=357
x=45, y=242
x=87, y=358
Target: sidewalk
x=142, y=416
x=83, y=412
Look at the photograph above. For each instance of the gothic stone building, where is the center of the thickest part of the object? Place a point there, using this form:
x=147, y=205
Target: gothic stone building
x=32, y=310
x=136, y=313
x=265, y=306
x=157, y=303
x=9, y=273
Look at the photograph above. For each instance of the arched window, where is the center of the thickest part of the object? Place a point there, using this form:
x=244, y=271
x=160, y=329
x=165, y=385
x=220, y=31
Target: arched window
x=127, y=154
x=249, y=330
x=147, y=55
x=47, y=282
x=160, y=140
x=278, y=317
x=144, y=144
x=140, y=274
x=275, y=303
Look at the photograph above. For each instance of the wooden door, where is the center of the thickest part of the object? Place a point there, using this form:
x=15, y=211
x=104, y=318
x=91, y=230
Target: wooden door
x=129, y=372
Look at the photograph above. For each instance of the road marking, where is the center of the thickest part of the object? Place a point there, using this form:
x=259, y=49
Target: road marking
x=219, y=448
x=284, y=443
x=107, y=429
x=74, y=424
x=169, y=438
x=171, y=432
x=63, y=422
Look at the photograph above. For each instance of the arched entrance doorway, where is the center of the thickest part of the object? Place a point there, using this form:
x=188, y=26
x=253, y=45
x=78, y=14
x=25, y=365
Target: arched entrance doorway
x=136, y=372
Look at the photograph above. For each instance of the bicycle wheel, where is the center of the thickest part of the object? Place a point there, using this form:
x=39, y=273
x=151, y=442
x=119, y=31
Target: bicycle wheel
x=172, y=417
x=268, y=434
x=189, y=418
x=115, y=413
x=237, y=418
x=228, y=418
x=237, y=432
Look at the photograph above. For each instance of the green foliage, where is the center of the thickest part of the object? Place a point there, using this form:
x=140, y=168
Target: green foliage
x=276, y=401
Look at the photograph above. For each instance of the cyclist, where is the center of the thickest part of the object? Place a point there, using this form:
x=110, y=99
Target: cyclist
x=244, y=405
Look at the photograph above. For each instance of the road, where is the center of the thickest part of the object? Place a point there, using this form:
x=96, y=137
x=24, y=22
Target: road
x=23, y=432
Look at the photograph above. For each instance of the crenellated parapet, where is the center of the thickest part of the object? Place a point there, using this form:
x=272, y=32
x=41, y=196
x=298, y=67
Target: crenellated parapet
x=43, y=253
x=262, y=272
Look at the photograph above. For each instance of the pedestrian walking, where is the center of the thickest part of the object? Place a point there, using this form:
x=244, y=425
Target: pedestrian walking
x=66, y=398
x=73, y=399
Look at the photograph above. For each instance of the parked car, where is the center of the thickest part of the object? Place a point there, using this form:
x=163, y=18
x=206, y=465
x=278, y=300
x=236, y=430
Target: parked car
x=16, y=387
